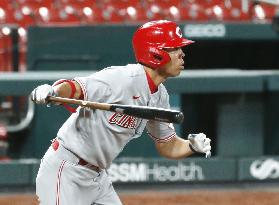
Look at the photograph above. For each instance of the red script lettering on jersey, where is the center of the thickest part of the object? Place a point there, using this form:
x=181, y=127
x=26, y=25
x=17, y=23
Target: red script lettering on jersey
x=123, y=120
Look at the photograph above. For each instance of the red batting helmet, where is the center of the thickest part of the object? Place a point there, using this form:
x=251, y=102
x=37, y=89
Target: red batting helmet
x=150, y=39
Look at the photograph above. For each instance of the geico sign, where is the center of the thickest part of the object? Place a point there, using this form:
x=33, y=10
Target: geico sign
x=140, y=172
x=205, y=30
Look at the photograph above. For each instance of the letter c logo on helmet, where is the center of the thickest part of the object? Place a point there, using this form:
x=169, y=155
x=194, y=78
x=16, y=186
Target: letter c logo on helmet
x=178, y=32
x=150, y=39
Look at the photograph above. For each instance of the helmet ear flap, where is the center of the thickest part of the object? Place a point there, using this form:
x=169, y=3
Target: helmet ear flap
x=158, y=57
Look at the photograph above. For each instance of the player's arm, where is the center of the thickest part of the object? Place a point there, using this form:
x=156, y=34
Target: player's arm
x=178, y=148
x=68, y=89
x=61, y=88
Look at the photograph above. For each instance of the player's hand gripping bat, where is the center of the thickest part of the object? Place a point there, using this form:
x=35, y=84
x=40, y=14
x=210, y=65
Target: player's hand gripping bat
x=151, y=113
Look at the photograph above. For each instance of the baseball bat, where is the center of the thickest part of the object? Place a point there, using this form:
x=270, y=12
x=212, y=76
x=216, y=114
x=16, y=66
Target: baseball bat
x=150, y=113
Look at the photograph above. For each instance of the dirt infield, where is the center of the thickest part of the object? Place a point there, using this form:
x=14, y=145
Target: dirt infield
x=183, y=198
x=204, y=198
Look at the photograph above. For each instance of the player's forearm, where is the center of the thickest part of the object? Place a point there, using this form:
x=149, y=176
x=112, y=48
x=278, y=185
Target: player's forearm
x=176, y=149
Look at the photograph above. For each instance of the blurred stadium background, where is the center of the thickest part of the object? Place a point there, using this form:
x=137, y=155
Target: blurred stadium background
x=229, y=90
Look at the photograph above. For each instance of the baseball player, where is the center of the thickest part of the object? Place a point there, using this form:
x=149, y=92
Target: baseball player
x=73, y=170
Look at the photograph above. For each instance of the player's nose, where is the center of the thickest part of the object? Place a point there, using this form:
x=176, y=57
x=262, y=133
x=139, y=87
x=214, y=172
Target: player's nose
x=181, y=53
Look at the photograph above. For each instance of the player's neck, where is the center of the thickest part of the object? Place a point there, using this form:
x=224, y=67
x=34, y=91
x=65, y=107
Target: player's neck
x=155, y=76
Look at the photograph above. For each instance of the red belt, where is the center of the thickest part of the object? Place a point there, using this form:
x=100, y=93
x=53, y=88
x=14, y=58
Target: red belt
x=82, y=162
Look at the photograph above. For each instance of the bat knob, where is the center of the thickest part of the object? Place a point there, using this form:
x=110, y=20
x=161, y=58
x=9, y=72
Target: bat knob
x=179, y=117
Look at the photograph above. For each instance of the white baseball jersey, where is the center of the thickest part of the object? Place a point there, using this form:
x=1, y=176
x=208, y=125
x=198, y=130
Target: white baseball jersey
x=99, y=136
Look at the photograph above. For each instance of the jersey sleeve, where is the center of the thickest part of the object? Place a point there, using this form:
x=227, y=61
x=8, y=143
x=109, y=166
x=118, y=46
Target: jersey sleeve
x=94, y=89
x=161, y=131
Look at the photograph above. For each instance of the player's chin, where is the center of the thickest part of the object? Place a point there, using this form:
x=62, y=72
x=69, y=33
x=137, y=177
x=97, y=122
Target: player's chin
x=180, y=68
x=176, y=73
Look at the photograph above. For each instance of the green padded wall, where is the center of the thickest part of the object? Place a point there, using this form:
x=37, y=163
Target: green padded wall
x=79, y=48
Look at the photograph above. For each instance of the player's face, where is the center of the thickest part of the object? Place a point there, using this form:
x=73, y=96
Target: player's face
x=176, y=64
